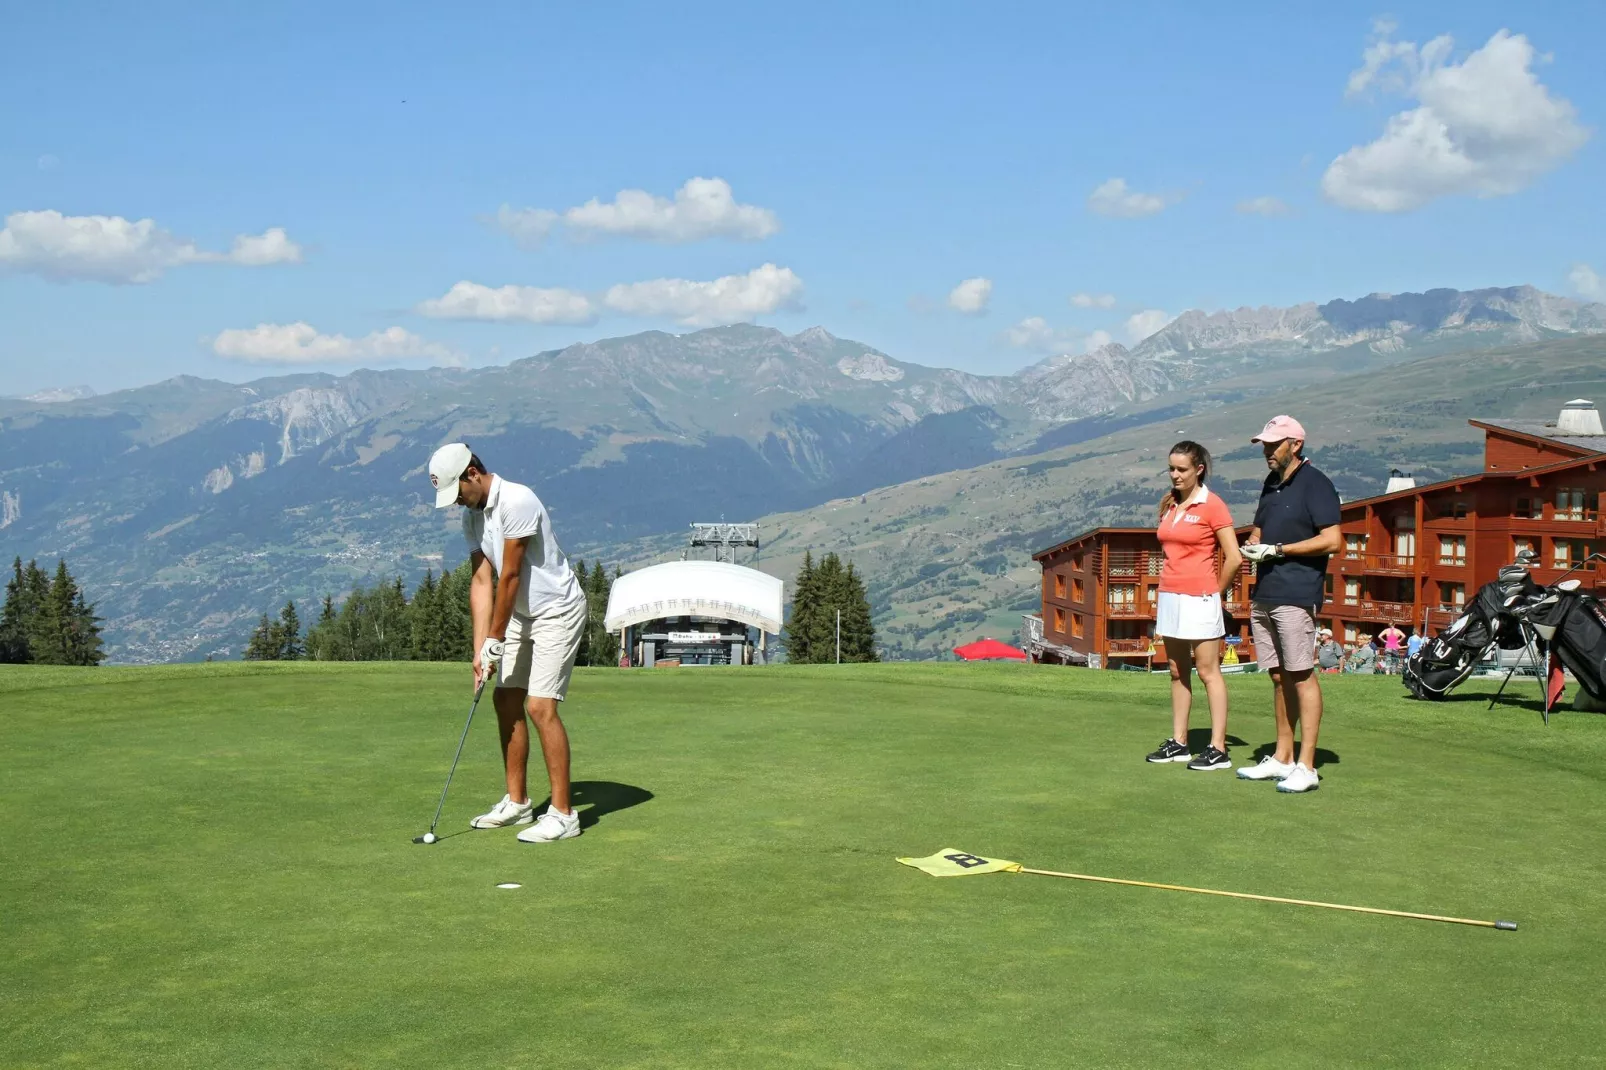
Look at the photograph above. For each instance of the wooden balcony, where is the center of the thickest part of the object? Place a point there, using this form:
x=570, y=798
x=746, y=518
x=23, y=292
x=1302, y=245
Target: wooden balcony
x=1128, y=646
x=1371, y=610
x=1355, y=563
x=1128, y=610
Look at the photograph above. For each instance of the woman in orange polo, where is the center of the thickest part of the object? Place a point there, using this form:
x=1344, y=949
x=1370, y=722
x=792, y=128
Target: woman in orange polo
x=1194, y=524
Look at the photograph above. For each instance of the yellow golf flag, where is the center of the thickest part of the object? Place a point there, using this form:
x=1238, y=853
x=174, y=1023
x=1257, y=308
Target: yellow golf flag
x=951, y=863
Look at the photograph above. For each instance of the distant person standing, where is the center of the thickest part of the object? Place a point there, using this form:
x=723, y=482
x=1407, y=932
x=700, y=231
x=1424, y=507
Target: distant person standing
x=1393, y=647
x=1194, y=525
x=1296, y=529
x=528, y=620
x=1413, y=644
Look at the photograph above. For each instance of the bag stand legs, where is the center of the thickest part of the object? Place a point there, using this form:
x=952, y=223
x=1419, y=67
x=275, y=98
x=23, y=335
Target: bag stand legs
x=1534, y=647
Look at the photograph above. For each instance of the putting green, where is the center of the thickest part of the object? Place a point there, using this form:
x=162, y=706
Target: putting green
x=211, y=866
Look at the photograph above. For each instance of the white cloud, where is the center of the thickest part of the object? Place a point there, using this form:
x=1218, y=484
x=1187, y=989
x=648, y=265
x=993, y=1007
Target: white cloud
x=1483, y=127
x=1268, y=206
x=1035, y=333
x=527, y=226
x=971, y=296
x=301, y=343
x=1586, y=283
x=1114, y=198
x=116, y=250
x=528, y=304
x=1093, y=300
x=730, y=299
x=1140, y=325
x=1097, y=340
x=702, y=208
x=272, y=246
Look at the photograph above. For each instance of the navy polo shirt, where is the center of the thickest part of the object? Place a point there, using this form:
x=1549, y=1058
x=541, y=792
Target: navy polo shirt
x=1293, y=511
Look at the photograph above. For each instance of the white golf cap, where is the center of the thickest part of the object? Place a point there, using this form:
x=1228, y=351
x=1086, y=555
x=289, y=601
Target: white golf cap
x=445, y=468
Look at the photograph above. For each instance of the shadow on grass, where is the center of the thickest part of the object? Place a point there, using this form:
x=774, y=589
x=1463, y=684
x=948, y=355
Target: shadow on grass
x=1199, y=739
x=1323, y=755
x=593, y=798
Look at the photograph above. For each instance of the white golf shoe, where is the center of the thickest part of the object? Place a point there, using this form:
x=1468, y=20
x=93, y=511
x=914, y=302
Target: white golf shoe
x=505, y=813
x=1268, y=769
x=1303, y=778
x=552, y=826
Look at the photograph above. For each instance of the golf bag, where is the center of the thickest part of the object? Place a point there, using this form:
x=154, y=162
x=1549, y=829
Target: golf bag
x=1445, y=661
x=1574, y=625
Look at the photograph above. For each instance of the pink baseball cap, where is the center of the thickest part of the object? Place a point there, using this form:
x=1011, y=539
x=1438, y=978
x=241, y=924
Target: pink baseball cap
x=1279, y=428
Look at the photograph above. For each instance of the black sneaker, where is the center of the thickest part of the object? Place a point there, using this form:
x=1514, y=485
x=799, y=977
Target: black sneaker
x=1211, y=758
x=1170, y=751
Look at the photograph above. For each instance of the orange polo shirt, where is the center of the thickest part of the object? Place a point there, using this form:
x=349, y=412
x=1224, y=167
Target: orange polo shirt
x=1188, y=536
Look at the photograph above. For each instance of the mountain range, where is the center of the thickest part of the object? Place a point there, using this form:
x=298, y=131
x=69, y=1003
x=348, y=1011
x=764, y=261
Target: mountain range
x=191, y=506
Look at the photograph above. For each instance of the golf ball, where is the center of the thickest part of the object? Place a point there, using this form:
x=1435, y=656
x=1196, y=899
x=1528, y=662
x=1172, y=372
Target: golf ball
x=429, y=837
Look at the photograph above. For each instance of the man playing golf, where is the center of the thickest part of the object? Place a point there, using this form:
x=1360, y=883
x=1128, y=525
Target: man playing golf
x=529, y=613
x=1296, y=528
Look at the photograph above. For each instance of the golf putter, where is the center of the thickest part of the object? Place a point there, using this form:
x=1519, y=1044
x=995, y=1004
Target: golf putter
x=429, y=837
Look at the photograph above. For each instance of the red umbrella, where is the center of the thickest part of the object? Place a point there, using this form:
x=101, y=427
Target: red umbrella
x=989, y=650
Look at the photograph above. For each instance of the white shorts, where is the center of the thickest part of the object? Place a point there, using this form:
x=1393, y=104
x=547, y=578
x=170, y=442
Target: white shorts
x=1189, y=616
x=539, y=651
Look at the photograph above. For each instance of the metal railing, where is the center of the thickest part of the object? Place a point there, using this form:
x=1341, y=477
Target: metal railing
x=1353, y=562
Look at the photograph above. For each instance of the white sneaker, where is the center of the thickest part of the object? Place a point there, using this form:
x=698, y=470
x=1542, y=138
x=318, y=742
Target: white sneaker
x=1303, y=778
x=505, y=813
x=1268, y=769
x=551, y=826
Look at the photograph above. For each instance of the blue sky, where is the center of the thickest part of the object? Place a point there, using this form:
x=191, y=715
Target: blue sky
x=342, y=167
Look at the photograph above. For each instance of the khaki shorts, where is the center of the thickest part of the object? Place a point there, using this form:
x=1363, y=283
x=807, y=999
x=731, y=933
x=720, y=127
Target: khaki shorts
x=538, y=654
x=1285, y=636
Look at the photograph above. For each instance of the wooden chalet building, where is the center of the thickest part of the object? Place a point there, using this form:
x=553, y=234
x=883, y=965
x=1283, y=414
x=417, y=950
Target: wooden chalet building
x=1413, y=555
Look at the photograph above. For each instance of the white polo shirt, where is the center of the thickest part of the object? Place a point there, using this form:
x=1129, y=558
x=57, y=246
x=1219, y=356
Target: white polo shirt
x=512, y=511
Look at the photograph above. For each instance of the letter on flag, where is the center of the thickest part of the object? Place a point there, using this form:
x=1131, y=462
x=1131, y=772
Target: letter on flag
x=949, y=862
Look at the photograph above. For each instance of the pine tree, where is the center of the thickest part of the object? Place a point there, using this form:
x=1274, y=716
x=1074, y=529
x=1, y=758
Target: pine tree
x=800, y=628
x=35, y=606
x=583, y=577
x=321, y=637
x=858, y=629
x=289, y=635
x=425, y=620
x=264, y=644
x=602, y=644
x=457, y=626
x=85, y=633
x=15, y=619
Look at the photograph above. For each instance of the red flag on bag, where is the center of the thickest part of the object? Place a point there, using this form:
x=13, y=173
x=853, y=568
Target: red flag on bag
x=1557, y=682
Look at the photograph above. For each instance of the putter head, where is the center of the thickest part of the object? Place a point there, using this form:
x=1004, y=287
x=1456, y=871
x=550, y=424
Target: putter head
x=1509, y=926
x=426, y=838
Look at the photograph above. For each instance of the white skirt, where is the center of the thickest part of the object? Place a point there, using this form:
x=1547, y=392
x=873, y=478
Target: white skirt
x=1189, y=616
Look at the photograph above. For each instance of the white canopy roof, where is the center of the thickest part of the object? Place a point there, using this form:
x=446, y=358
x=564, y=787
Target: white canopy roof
x=695, y=588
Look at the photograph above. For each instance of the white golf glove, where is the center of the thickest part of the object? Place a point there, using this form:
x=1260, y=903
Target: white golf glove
x=1261, y=551
x=490, y=654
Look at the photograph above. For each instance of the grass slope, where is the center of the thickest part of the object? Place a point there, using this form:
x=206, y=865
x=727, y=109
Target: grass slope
x=211, y=866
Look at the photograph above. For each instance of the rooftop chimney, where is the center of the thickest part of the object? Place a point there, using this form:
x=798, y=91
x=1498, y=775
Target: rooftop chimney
x=1579, y=417
x=1399, y=481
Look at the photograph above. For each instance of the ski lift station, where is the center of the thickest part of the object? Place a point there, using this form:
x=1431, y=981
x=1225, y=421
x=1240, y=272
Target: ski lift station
x=694, y=613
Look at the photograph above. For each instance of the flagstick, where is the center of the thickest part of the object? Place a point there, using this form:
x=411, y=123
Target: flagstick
x=1510, y=925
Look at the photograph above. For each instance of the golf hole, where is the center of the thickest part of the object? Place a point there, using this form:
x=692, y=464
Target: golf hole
x=508, y=884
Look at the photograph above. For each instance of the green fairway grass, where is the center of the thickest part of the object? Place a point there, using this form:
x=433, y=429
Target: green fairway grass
x=211, y=866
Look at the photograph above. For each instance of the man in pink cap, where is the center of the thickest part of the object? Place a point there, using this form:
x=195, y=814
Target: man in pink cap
x=1296, y=529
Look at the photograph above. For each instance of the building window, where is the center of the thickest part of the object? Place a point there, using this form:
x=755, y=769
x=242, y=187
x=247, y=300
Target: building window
x=1405, y=548
x=1453, y=594
x=1059, y=585
x=1327, y=585
x=1570, y=504
x=1529, y=509
x=1569, y=552
x=1352, y=592
x=1453, y=550
x=1352, y=633
x=1152, y=593
x=1354, y=547
x=1078, y=593
x=1076, y=561
x=1519, y=546
x=1076, y=626
x=1059, y=620
x=1156, y=563
x=1123, y=594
